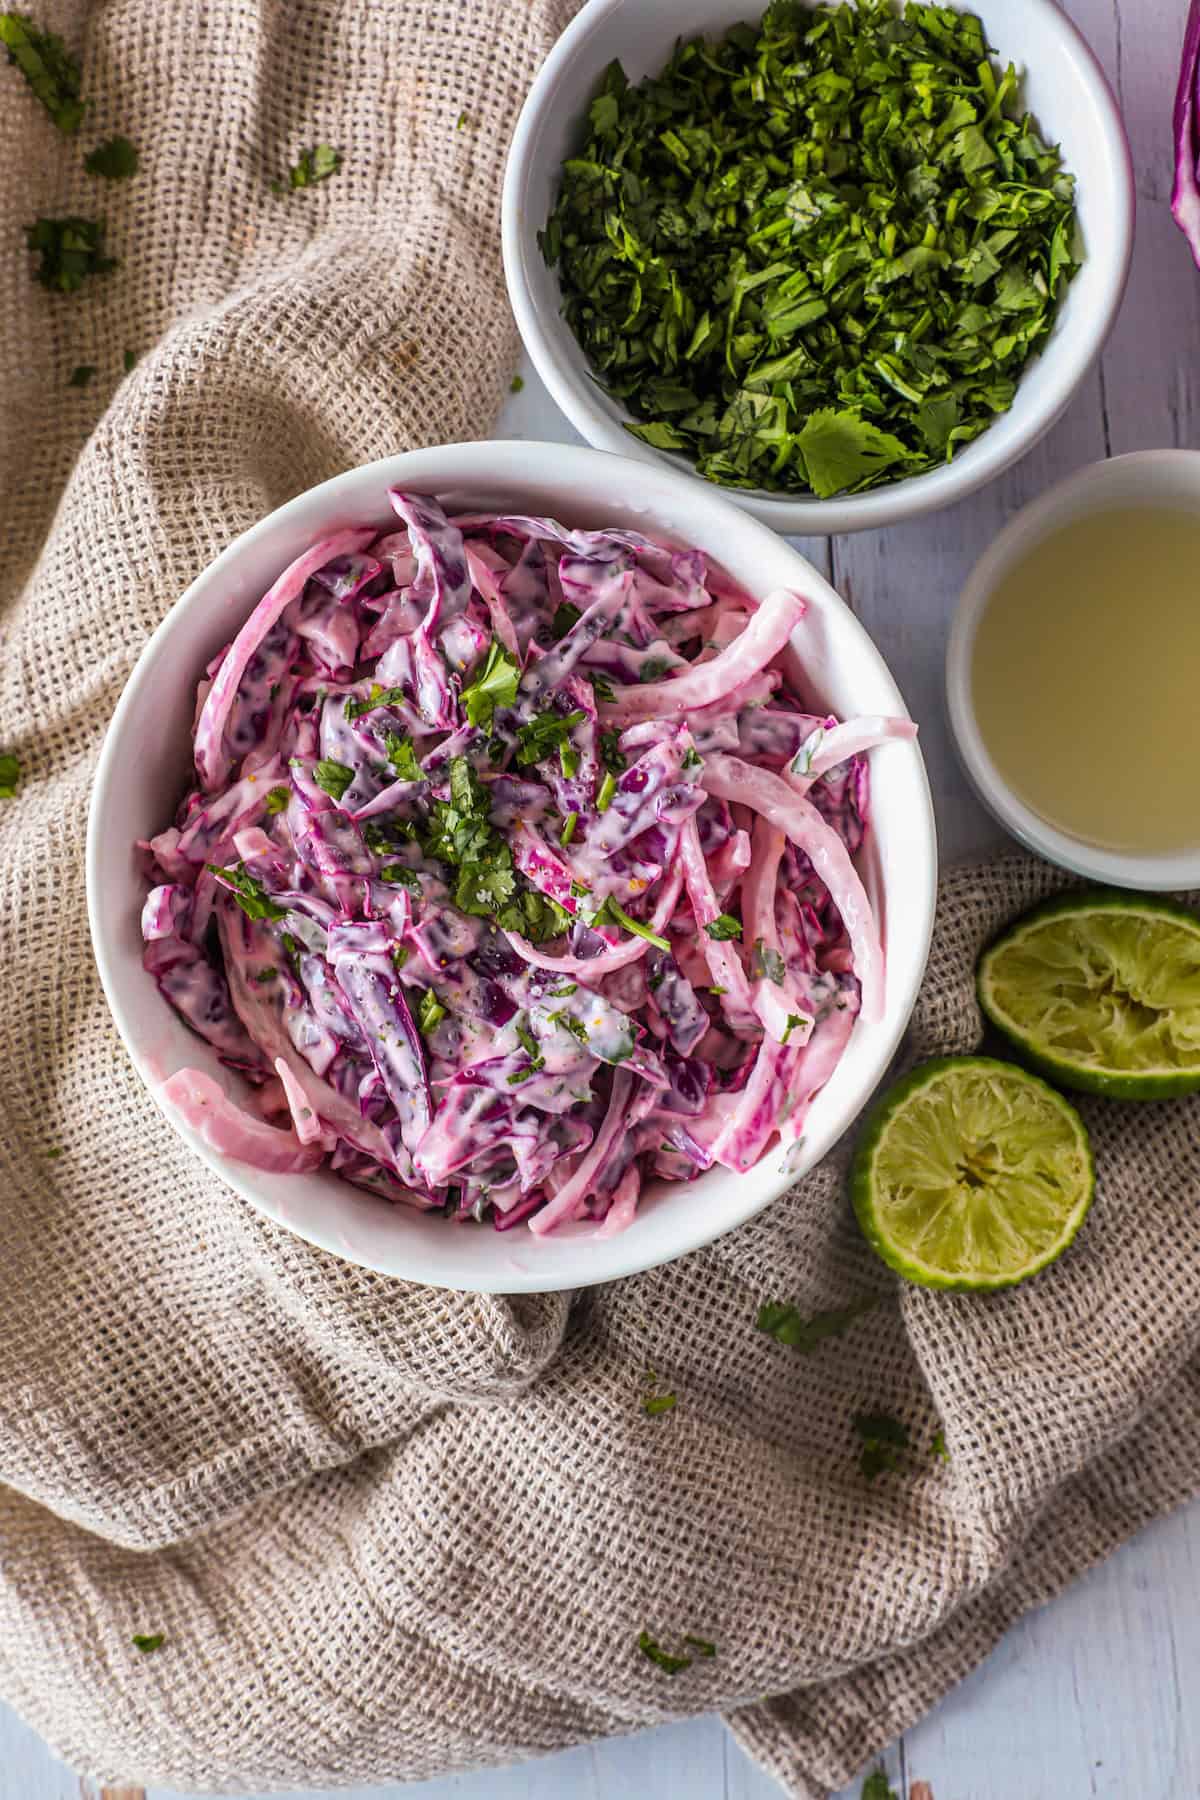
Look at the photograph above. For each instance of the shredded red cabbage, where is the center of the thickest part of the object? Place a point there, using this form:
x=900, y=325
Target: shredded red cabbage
x=516, y=872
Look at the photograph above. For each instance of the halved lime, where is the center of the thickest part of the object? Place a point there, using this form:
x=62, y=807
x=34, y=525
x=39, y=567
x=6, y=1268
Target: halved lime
x=1100, y=990
x=971, y=1173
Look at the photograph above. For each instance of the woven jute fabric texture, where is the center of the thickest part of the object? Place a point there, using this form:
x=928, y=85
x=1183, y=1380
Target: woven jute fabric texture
x=387, y=1531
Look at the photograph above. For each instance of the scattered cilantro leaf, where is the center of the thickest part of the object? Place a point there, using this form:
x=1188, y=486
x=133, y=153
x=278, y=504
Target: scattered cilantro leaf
x=333, y=777
x=69, y=250
x=794, y=1020
x=602, y=687
x=883, y=1438
x=81, y=375
x=277, y=800
x=611, y=754
x=116, y=159
x=653, y=668
x=657, y=1404
x=701, y=1646
x=618, y=916
x=249, y=893
x=723, y=927
x=766, y=964
x=544, y=734
x=495, y=685
x=938, y=1448
x=148, y=1642
x=314, y=165
x=516, y=384
x=692, y=759
x=430, y=1013
x=403, y=757
x=605, y=791
x=876, y=1787
x=568, y=830
x=565, y=615
x=129, y=361
x=670, y=1665
x=400, y=875
x=47, y=65
x=816, y=254
x=788, y=1326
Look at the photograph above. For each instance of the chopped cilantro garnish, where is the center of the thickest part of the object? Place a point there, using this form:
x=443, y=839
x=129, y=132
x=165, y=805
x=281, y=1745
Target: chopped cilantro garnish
x=766, y=964
x=568, y=830
x=564, y=992
x=611, y=754
x=516, y=384
x=400, y=955
x=430, y=1013
x=314, y=165
x=601, y=685
x=545, y=733
x=148, y=1642
x=794, y=1020
x=692, y=759
x=48, y=67
x=129, y=361
x=333, y=777
x=382, y=836
x=817, y=253
x=403, y=757
x=877, y=1787
x=788, y=1326
x=265, y=975
x=701, y=1646
x=116, y=159
x=495, y=685
x=565, y=615
x=605, y=792
x=249, y=893
x=656, y=1404
x=81, y=374
x=883, y=1438
x=618, y=915
x=69, y=250
x=378, y=696
x=718, y=990
x=938, y=1448
x=653, y=669
x=277, y=799
x=10, y=775
x=724, y=926
x=399, y=874
x=670, y=1665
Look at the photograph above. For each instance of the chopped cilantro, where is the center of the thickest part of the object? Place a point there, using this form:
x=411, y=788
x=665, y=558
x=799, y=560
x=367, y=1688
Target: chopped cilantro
x=938, y=1448
x=495, y=685
x=876, y=1787
x=883, y=1438
x=48, y=67
x=611, y=755
x=670, y=1665
x=618, y=916
x=766, y=964
x=333, y=777
x=516, y=384
x=605, y=792
x=788, y=1326
x=692, y=759
x=129, y=361
x=817, y=253
x=403, y=757
x=400, y=955
x=546, y=732
x=602, y=687
x=265, y=975
x=565, y=615
x=399, y=874
x=69, y=250
x=701, y=1646
x=653, y=669
x=656, y=1404
x=793, y=1021
x=564, y=992
x=724, y=926
x=568, y=830
x=148, y=1642
x=250, y=894
x=81, y=374
x=430, y=1013
x=378, y=696
x=10, y=775
x=314, y=165
x=116, y=159
x=277, y=799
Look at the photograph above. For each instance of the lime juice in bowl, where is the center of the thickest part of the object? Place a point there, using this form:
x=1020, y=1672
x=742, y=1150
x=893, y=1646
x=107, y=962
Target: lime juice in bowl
x=1072, y=672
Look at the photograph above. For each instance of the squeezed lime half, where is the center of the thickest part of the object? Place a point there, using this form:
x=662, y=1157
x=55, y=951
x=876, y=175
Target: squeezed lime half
x=971, y=1174
x=1100, y=990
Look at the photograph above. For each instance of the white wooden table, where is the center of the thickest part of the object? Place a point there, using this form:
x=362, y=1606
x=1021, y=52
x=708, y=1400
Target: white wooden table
x=1098, y=1695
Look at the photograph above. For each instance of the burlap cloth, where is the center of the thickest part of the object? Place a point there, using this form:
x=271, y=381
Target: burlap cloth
x=388, y=1531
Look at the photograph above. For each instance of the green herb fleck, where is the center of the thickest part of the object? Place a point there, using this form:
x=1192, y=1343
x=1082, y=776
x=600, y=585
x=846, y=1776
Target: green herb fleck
x=116, y=159
x=403, y=757
x=53, y=1153
x=788, y=1326
x=148, y=1642
x=265, y=975
x=400, y=875
x=129, y=361
x=378, y=696
x=546, y=732
x=724, y=926
x=81, y=375
x=516, y=384
x=69, y=250
x=611, y=754
x=602, y=687
x=766, y=964
x=938, y=1448
x=794, y=1021
x=617, y=914
x=670, y=1665
x=249, y=893
x=876, y=1787
x=314, y=165
x=653, y=668
x=701, y=1646
x=816, y=254
x=883, y=1438
x=277, y=800
x=565, y=615
x=692, y=759
x=656, y=1404
x=605, y=792
x=400, y=955
x=568, y=830
x=48, y=67
x=430, y=1013
x=495, y=685
x=333, y=777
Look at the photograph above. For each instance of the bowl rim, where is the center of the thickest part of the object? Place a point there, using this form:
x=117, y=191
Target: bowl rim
x=459, y=465
x=914, y=496
x=1077, y=495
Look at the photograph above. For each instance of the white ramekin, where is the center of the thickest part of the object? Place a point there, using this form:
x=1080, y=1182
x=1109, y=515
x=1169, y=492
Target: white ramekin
x=1146, y=478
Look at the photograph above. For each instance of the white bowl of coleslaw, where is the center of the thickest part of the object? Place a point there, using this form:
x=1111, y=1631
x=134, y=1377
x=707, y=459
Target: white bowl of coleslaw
x=831, y=663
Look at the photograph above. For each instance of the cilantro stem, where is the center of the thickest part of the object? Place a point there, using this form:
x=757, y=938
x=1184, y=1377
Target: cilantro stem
x=621, y=917
x=608, y=788
x=568, y=830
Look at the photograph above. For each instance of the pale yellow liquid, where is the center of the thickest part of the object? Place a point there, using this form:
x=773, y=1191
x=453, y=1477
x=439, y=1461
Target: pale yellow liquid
x=1085, y=679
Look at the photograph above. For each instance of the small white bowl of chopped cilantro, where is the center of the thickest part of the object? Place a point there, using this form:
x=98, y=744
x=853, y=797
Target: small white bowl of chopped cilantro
x=848, y=262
